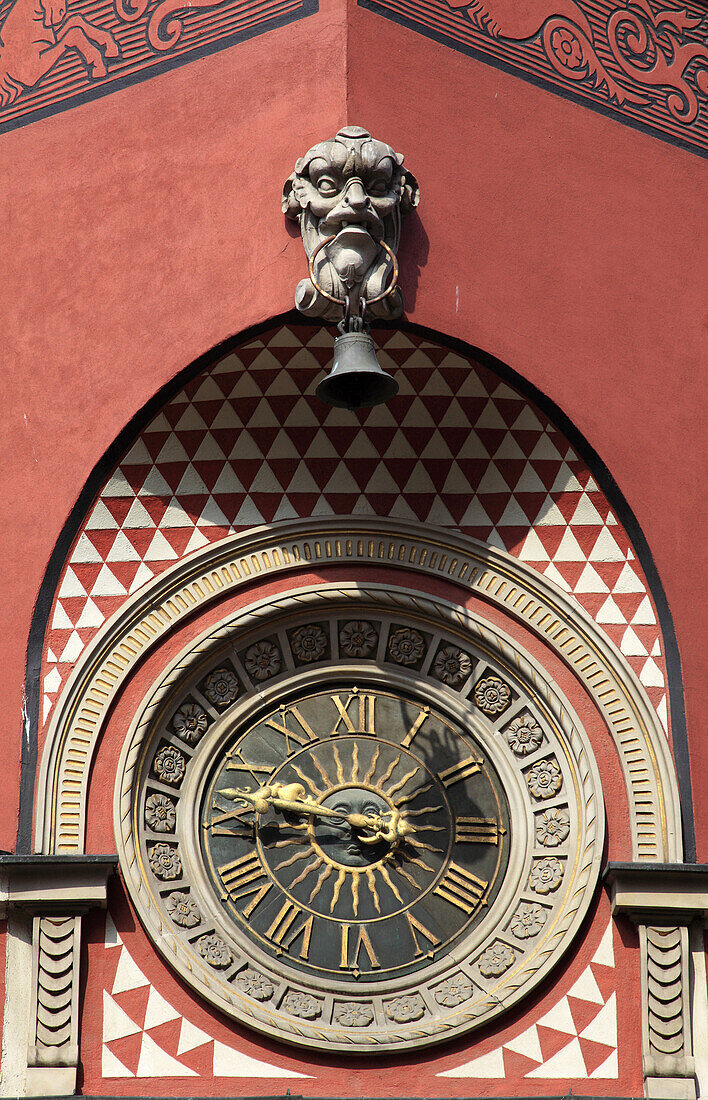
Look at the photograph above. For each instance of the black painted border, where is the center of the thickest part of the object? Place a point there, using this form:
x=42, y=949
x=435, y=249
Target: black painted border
x=126, y=437
x=605, y=109
x=167, y=64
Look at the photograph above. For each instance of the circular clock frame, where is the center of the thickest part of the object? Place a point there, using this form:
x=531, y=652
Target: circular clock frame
x=496, y=697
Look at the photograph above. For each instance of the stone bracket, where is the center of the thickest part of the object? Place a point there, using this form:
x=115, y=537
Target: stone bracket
x=54, y=892
x=663, y=900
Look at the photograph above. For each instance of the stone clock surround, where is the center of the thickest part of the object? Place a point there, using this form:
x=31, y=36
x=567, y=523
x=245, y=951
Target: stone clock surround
x=514, y=588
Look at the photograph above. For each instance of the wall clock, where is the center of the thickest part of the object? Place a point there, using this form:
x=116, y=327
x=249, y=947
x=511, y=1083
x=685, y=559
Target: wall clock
x=370, y=823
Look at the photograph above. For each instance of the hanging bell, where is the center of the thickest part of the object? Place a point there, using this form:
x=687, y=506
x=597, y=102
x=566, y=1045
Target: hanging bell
x=356, y=381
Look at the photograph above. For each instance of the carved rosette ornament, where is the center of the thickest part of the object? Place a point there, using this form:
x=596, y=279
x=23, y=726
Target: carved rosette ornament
x=349, y=195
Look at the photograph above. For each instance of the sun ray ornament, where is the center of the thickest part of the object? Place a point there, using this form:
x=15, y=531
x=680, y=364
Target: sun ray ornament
x=349, y=195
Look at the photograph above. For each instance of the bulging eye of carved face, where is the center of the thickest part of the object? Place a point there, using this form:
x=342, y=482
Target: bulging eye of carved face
x=344, y=190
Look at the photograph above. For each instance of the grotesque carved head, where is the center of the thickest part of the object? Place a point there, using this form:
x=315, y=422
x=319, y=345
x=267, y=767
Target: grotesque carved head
x=349, y=194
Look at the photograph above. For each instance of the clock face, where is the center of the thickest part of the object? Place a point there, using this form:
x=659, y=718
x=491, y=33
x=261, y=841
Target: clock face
x=358, y=831
x=355, y=833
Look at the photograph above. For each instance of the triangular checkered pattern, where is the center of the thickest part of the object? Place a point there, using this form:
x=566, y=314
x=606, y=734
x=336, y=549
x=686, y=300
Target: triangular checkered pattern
x=247, y=443
x=144, y=1036
x=576, y=1039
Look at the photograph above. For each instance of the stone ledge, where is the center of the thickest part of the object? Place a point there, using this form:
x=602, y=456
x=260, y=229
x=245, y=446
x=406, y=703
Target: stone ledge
x=650, y=892
x=55, y=883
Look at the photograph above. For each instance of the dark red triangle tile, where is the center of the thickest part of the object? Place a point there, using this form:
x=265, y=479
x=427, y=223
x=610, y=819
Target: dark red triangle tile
x=134, y=1003
x=494, y=504
x=209, y=470
x=155, y=508
x=267, y=504
x=192, y=440
x=173, y=473
x=583, y=1012
x=303, y=503
x=594, y=1054
x=118, y=507
x=86, y=573
x=551, y=1040
x=135, y=475
x=167, y=1035
x=127, y=1050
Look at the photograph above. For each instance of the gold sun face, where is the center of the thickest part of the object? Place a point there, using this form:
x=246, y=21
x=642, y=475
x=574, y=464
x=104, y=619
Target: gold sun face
x=355, y=833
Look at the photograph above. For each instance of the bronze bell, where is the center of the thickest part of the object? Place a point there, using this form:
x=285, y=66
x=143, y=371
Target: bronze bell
x=356, y=381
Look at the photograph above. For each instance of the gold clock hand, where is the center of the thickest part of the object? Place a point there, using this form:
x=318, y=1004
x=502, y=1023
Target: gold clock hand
x=289, y=797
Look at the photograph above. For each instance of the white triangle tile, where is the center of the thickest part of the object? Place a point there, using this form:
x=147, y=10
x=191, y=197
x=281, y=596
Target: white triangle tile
x=52, y=681
x=85, y=553
x=101, y=519
x=212, y=515
x=419, y=481
x=284, y=511
x=233, y=1063
x=439, y=515
x=60, y=619
x=191, y=1037
x=172, y=451
x=553, y=575
x=175, y=516
x=418, y=416
x=282, y=447
x=158, y=1011
x=143, y=575
x=72, y=650
x=488, y=1066
x=301, y=416
x=381, y=481
x=138, y=517
x=513, y=516
x=590, y=581
x=545, y=450
x=156, y=1062
x=436, y=386
x=586, y=514
x=456, y=482
x=493, y=482
x=106, y=584
x=322, y=508
x=527, y=421
x=529, y=482
x=567, y=1063
x=244, y=386
x=209, y=450
x=509, y=449
x=560, y=1018
x=111, y=1067
x=661, y=710
x=322, y=447
x=51, y=657
x=248, y=515
x=568, y=548
x=191, y=483
x=606, y=548
x=495, y=539
x=402, y=510
x=265, y=481
x=473, y=447
x=436, y=448
x=550, y=515
x=655, y=649
x=208, y=391
x=611, y=521
x=228, y=420
x=159, y=424
x=605, y=955
x=360, y=447
x=71, y=586
x=603, y=1028
x=227, y=482
x=651, y=675
x=90, y=616
x=628, y=581
x=610, y=613
x=47, y=704
x=381, y=416
x=631, y=646
x=111, y=936
x=196, y=541
x=122, y=549
x=117, y=1024
x=490, y=417
x=454, y=416
x=566, y=481
x=504, y=393
x=138, y=455
x=190, y=421
x=644, y=615
x=362, y=507
x=533, y=549
x=118, y=486
x=341, y=481
x=472, y=385
x=527, y=1044
x=608, y=1069
x=586, y=988
x=128, y=974
x=154, y=485
x=302, y=481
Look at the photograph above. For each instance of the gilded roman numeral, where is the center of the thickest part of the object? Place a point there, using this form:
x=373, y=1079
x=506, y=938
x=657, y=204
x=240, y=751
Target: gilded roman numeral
x=361, y=718
x=462, y=770
x=416, y=926
x=415, y=727
x=461, y=888
x=238, y=763
x=245, y=876
x=348, y=962
x=477, y=830
x=289, y=734
x=282, y=932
